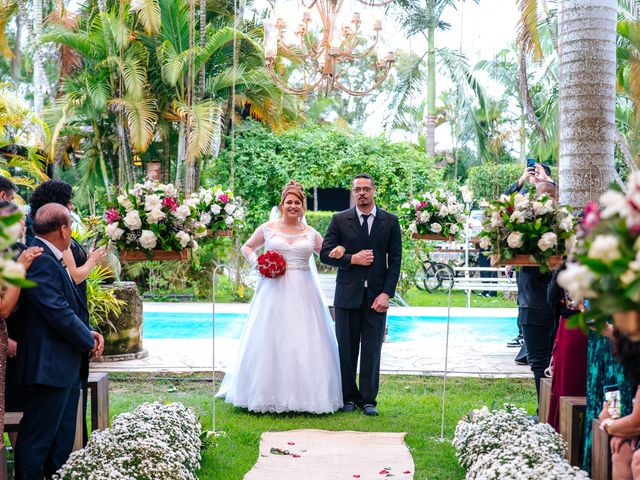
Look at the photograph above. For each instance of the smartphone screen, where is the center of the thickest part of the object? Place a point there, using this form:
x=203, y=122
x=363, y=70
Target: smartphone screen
x=612, y=397
x=531, y=163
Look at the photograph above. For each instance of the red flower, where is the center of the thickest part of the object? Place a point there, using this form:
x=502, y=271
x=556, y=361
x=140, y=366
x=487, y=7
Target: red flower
x=170, y=203
x=591, y=216
x=384, y=472
x=290, y=443
x=112, y=215
x=407, y=472
x=272, y=265
x=224, y=198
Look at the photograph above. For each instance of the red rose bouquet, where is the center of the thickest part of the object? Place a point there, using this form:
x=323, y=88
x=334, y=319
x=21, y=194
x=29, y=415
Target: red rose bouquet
x=271, y=264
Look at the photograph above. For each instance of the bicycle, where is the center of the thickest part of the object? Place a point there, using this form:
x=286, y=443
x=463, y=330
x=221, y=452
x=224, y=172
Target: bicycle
x=433, y=275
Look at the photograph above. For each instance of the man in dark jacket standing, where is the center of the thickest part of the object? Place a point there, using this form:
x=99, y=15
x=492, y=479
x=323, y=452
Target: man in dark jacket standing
x=367, y=277
x=57, y=342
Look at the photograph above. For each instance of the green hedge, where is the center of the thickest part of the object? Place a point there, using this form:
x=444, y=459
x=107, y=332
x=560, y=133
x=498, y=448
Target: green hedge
x=319, y=220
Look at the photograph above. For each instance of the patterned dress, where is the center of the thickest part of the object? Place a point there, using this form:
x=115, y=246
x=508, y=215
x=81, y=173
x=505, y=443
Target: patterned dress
x=602, y=370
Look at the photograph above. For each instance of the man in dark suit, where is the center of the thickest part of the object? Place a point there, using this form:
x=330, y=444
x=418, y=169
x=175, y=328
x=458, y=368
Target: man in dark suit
x=54, y=353
x=367, y=276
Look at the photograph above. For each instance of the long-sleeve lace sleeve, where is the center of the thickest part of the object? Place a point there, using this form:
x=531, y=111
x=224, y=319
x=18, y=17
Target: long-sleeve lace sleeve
x=318, y=243
x=254, y=243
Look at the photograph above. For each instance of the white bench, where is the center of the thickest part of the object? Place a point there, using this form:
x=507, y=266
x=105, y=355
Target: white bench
x=470, y=282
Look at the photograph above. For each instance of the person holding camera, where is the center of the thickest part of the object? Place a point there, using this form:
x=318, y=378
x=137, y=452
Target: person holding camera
x=533, y=173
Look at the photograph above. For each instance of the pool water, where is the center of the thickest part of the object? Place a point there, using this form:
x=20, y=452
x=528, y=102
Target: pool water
x=401, y=328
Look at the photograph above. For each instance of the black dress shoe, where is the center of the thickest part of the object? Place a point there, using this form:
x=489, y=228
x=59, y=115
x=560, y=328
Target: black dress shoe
x=370, y=410
x=349, y=407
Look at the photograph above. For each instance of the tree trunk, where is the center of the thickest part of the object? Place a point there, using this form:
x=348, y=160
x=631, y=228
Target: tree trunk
x=103, y=165
x=16, y=62
x=38, y=69
x=587, y=67
x=182, y=151
x=523, y=136
x=203, y=41
x=430, y=118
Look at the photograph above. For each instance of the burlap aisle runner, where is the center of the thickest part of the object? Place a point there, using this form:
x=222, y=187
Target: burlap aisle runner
x=323, y=455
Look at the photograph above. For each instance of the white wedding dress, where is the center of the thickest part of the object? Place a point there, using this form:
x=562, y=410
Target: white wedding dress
x=288, y=355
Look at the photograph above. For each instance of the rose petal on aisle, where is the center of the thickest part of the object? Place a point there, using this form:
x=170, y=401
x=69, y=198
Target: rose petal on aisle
x=332, y=455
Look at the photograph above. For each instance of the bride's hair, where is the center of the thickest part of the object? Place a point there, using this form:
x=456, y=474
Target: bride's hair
x=293, y=188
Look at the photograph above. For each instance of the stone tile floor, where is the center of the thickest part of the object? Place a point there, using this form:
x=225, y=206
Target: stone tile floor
x=466, y=357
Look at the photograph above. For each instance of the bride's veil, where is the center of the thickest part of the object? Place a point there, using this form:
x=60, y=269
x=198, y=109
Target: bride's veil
x=275, y=215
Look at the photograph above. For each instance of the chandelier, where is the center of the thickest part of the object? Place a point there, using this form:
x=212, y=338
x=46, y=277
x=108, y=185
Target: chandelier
x=324, y=55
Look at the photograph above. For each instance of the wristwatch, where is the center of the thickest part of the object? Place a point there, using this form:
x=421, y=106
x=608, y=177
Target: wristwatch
x=606, y=423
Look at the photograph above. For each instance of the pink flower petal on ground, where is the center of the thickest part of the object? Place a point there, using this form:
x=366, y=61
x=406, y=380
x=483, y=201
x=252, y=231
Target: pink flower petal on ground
x=356, y=476
x=290, y=443
x=407, y=472
x=384, y=472
x=295, y=455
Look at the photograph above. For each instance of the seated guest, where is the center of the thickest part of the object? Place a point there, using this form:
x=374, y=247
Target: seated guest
x=569, y=356
x=625, y=430
x=51, y=354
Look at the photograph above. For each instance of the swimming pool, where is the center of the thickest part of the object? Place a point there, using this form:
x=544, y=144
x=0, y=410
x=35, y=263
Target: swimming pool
x=402, y=328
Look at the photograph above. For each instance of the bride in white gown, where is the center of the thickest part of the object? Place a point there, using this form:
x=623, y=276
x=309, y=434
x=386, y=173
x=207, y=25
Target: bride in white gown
x=288, y=356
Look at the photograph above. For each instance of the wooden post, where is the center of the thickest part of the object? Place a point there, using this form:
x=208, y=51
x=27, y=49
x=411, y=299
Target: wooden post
x=543, y=401
x=99, y=390
x=600, y=453
x=572, y=411
x=77, y=443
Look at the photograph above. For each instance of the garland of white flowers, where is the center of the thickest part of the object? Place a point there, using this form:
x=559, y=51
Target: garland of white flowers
x=506, y=444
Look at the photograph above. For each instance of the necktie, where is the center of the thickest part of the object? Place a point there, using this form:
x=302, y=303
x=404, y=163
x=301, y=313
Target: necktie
x=365, y=225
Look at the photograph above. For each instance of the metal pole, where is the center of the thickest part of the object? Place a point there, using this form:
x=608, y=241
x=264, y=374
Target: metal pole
x=214, y=276
x=446, y=360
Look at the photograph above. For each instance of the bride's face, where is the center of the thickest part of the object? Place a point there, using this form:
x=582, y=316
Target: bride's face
x=292, y=207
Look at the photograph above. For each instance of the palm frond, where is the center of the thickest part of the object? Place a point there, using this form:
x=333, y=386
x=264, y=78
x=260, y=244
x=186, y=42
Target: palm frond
x=141, y=119
x=7, y=9
x=528, y=35
x=149, y=14
x=172, y=63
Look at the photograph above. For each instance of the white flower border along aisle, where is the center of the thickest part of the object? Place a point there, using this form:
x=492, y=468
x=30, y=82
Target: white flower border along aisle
x=153, y=441
x=506, y=445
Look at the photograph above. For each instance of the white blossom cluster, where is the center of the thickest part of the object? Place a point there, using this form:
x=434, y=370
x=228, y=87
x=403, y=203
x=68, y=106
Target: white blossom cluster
x=153, y=442
x=437, y=212
x=218, y=209
x=523, y=224
x=152, y=216
x=506, y=445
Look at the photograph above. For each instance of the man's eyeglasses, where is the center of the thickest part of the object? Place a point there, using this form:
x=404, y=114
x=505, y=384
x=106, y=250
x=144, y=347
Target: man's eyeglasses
x=362, y=189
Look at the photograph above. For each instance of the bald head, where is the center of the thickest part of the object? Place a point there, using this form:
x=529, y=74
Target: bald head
x=50, y=218
x=548, y=188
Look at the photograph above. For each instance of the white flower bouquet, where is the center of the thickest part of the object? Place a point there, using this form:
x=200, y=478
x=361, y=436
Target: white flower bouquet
x=153, y=441
x=525, y=225
x=607, y=267
x=218, y=210
x=506, y=444
x=152, y=216
x=434, y=215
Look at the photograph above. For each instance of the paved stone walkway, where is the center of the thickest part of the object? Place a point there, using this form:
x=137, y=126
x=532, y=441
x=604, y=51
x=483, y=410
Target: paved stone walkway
x=467, y=357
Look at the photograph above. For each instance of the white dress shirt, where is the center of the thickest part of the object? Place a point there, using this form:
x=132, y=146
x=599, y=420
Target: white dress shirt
x=56, y=252
x=372, y=214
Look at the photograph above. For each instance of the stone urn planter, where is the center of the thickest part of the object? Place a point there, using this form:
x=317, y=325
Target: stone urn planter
x=126, y=342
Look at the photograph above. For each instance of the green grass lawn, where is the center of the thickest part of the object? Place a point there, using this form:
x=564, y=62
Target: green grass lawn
x=407, y=404
x=422, y=298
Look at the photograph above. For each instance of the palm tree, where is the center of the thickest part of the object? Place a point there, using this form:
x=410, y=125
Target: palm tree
x=587, y=97
x=424, y=17
x=22, y=135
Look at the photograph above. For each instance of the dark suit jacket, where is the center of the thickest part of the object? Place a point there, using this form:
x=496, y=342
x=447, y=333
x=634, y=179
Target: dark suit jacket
x=57, y=337
x=382, y=275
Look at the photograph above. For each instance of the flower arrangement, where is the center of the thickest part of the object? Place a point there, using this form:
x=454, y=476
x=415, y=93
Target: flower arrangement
x=11, y=272
x=218, y=209
x=153, y=441
x=607, y=266
x=152, y=216
x=524, y=224
x=506, y=444
x=271, y=264
x=434, y=213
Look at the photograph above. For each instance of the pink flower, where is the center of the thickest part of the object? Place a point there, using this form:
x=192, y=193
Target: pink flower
x=290, y=443
x=407, y=472
x=112, y=215
x=591, y=216
x=422, y=205
x=170, y=203
x=356, y=476
x=295, y=455
x=384, y=472
x=224, y=198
